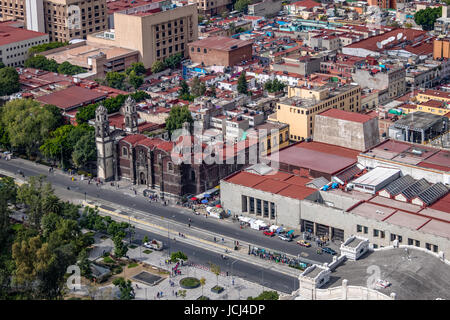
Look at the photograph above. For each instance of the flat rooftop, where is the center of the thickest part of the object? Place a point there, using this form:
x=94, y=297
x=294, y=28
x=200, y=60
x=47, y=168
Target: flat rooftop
x=346, y=115
x=10, y=34
x=412, y=154
x=281, y=183
x=317, y=156
x=80, y=55
x=72, y=97
x=418, y=120
x=422, y=277
x=220, y=43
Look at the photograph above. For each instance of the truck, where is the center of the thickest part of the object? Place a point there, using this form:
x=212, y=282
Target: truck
x=154, y=244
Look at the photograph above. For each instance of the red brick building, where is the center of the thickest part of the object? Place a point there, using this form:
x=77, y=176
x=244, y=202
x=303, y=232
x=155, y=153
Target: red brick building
x=220, y=51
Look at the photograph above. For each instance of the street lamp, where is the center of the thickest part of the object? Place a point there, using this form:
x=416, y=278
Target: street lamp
x=262, y=277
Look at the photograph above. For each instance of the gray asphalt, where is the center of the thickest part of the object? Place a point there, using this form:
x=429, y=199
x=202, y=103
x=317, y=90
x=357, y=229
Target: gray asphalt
x=249, y=272
x=176, y=214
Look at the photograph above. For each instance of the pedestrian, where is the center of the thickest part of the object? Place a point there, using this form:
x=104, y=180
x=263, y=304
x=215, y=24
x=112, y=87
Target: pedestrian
x=176, y=294
x=157, y=295
x=189, y=225
x=223, y=240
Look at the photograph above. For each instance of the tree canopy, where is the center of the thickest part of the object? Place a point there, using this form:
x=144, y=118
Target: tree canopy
x=177, y=116
x=242, y=84
x=9, y=81
x=242, y=5
x=27, y=124
x=427, y=17
x=46, y=46
x=274, y=86
x=158, y=66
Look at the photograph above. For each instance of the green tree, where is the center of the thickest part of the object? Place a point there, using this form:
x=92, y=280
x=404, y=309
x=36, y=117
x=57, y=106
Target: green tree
x=34, y=195
x=125, y=287
x=85, y=264
x=145, y=239
x=216, y=270
x=158, y=66
x=8, y=194
x=427, y=17
x=27, y=124
x=213, y=90
x=242, y=84
x=70, y=69
x=115, y=80
x=266, y=295
x=177, y=256
x=137, y=67
x=9, y=81
x=242, y=5
x=135, y=80
x=120, y=248
x=57, y=115
x=85, y=150
x=202, y=283
x=198, y=88
x=173, y=61
x=42, y=63
x=274, y=86
x=46, y=46
x=57, y=146
x=177, y=116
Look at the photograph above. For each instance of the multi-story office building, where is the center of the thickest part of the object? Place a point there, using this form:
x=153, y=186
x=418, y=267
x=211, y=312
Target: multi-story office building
x=63, y=20
x=302, y=104
x=74, y=19
x=15, y=42
x=157, y=33
x=211, y=8
x=12, y=10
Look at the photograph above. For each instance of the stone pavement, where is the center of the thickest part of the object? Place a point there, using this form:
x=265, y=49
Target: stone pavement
x=235, y=288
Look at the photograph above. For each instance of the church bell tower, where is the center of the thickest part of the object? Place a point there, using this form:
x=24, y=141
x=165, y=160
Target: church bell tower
x=105, y=144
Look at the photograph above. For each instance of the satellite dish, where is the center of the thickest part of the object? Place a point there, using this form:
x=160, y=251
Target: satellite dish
x=379, y=45
x=400, y=35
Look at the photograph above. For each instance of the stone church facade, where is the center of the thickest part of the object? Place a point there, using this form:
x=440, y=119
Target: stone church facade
x=126, y=155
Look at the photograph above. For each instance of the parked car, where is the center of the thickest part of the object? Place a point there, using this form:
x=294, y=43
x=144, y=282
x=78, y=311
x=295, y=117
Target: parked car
x=304, y=243
x=329, y=251
x=382, y=283
x=284, y=237
x=154, y=244
x=269, y=233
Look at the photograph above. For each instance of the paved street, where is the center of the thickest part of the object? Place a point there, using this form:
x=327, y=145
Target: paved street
x=243, y=280
x=281, y=278
x=124, y=198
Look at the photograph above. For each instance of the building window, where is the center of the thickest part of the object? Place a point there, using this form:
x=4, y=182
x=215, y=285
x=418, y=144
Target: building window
x=358, y=228
x=375, y=232
x=258, y=206
x=252, y=205
x=266, y=209
x=410, y=242
x=366, y=230
x=272, y=210
x=417, y=243
x=382, y=234
x=124, y=152
x=170, y=166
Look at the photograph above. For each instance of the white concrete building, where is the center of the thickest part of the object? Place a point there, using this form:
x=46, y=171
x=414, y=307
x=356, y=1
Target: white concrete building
x=15, y=42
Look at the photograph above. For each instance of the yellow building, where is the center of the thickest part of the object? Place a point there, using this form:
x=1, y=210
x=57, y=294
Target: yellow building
x=424, y=96
x=273, y=136
x=302, y=104
x=157, y=34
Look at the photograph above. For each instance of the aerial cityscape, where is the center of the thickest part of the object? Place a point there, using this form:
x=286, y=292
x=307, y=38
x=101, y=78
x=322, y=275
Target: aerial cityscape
x=224, y=150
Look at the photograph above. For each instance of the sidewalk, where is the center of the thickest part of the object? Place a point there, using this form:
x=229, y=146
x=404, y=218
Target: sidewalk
x=235, y=288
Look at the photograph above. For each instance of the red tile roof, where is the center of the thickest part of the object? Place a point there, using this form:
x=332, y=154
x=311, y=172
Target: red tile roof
x=270, y=184
x=10, y=34
x=72, y=97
